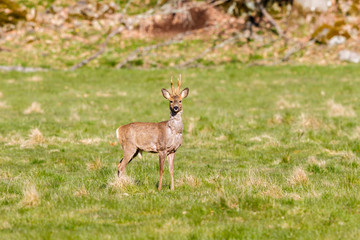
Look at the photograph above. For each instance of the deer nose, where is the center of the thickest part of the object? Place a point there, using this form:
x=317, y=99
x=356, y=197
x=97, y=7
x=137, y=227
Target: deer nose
x=176, y=108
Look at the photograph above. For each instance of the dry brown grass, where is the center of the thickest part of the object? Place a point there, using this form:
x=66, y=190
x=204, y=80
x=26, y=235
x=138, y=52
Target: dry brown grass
x=120, y=183
x=294, y=196
x=5, y=225
x=189, y=180
x=121, y=94
x=221, y=138
x=91, y=141
x=306, y=122
x=345, y=155
x=273, y=191
x=314, y=161
x=35, y=137
x=35, y=107
x=13, y=139
x=298, y=177
x=276, y=119
x=31, y=196
x=34, y=78
x=192, y=124
x=74, y=116
x=266, y=140
x=253, y=180
x=81, y=192
x=261, y=185
x=96, y=164
x=5, y=175
x=282, y=103
x=213, y=179
x=355, y=134
x=103, y=94
x=338, y=110
x=3, y=105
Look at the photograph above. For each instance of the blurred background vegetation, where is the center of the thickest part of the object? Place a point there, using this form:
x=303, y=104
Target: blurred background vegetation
x=64, y=34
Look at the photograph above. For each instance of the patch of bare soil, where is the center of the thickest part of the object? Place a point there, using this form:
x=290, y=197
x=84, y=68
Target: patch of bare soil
x=200, y=18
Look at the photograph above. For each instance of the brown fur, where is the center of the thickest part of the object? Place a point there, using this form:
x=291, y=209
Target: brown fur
x=163, y=138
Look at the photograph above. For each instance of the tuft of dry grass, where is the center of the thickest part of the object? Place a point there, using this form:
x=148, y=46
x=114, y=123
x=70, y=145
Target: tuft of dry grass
x=103, y=94
x=5, y=225
x=120, y=183
x=276, y=119
x=306, y=122
x=74, y=116
x=345, y=155
x=222, y=137
x=189, y=180
x=192, y=124
x=294, y=196
x=273, y=191
x=314, y=161
x=268, y=140
x=282, y=103
x=298, y=177
x=121, y=94
x=96, y=164
x=31, y=196
x=35, y=137
x=90, y=141
x=34, y=78
x=35, y=107
x=3, y=104
x=253, y=180
x=338, y=110
x=81, y=192
x=14, y=139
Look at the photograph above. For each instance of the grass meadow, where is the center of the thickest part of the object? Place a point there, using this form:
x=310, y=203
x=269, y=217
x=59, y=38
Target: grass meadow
x=268, y=153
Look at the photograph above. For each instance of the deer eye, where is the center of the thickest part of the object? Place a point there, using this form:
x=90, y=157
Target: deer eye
x=171, y=101
x=179, y=101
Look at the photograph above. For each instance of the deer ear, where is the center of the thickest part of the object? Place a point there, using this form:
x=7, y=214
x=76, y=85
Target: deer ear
x=165, y=93
x=184, y=93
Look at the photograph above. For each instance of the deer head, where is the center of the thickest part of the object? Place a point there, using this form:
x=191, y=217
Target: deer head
x=176, y=97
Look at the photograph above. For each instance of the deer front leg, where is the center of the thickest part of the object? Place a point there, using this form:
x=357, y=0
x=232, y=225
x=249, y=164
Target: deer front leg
x=162, y=157
x=171, y=158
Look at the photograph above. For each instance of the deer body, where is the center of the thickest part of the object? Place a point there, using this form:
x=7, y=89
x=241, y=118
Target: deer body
x=152, y=137
x=163, y=138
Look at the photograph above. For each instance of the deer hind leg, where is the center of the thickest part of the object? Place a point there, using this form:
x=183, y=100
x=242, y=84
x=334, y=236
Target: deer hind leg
x=162, y=157
x=129, y=153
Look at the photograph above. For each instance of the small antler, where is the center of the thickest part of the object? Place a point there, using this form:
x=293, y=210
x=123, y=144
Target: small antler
x=172, y=86
x=179, y=84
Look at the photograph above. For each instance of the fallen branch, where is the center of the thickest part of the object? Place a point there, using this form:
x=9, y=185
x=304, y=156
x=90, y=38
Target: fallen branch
x=100, y=51
x=296, y=49
x=210, y=49
x=270, y=19
x=103, y=46
x=22, y=69
x=129, y=23
x=140, y=51
x=126, y=7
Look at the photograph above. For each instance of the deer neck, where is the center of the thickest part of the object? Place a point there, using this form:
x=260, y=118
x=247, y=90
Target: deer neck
x=175, y=122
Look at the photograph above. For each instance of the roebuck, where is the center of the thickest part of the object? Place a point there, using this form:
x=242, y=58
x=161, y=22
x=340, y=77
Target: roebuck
x=163, y=137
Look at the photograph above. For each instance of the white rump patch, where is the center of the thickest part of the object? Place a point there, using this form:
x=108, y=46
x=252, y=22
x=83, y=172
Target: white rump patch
x=117, y=134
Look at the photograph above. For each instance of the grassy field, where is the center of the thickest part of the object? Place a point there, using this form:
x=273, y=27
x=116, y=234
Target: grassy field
x=268, y=153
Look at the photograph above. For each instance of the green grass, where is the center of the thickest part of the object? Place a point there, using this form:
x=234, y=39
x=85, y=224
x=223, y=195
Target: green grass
x=268, y=153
